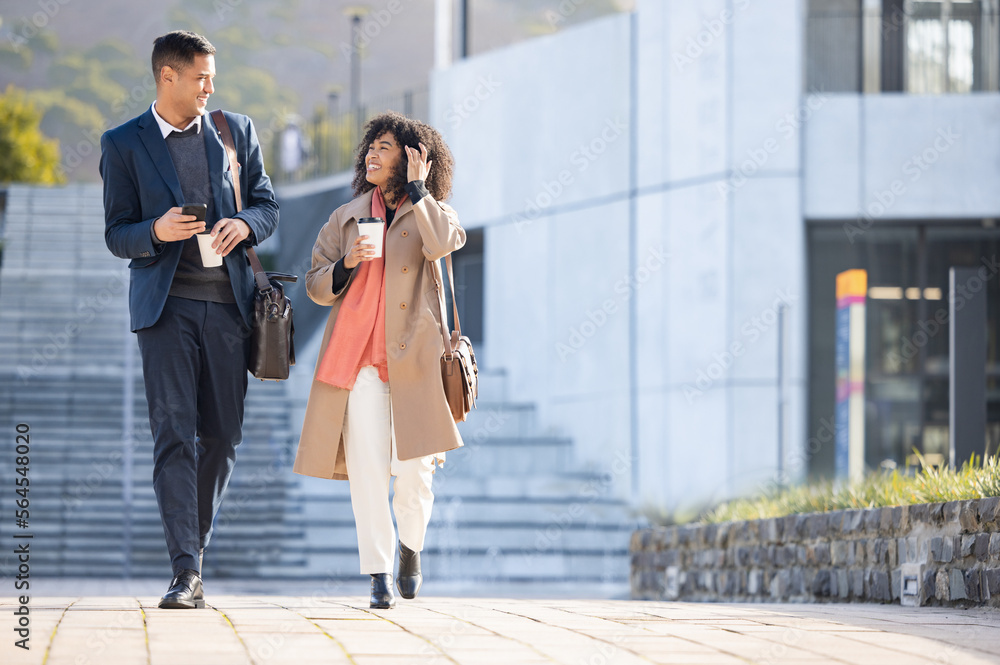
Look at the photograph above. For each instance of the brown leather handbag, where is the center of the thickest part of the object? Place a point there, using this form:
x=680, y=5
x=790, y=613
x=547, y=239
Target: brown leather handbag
x=272, y=341
x=459, y=372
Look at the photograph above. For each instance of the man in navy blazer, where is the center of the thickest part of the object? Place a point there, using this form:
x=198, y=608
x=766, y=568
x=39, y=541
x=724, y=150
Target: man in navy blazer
x=192, y=318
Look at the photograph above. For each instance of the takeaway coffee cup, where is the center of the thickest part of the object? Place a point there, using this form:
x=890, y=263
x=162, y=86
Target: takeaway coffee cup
x=374, y=228
x=209, y=258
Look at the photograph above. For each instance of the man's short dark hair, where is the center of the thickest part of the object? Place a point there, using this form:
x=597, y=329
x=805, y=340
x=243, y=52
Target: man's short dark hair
x=177, y=50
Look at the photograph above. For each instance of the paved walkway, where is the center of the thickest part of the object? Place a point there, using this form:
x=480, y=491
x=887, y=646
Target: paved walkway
x=302, y=630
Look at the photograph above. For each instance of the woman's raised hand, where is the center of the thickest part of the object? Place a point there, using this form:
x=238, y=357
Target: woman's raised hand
x=417, y=166
x=360, y=251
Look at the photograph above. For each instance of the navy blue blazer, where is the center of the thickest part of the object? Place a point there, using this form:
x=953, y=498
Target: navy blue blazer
x=140, y=185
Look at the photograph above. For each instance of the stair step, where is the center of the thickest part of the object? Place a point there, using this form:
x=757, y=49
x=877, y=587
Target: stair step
x=509, y=505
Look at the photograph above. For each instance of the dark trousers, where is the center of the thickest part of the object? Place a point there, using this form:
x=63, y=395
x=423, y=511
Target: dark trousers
x=194, y=364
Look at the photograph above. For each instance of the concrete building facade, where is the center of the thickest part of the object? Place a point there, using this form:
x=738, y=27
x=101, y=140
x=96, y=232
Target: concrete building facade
x=659, y=196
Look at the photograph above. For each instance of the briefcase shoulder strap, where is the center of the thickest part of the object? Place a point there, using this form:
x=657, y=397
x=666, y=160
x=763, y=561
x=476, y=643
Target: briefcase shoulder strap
x=219, y=118
x=450, y=341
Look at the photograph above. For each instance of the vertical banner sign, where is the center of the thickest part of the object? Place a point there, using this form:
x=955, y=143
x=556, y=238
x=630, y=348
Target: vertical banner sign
x=849, y=426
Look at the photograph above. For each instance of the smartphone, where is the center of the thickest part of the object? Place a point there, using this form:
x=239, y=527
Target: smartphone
x=197, y=209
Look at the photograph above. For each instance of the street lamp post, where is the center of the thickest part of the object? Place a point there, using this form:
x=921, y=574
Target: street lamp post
x=356, y=13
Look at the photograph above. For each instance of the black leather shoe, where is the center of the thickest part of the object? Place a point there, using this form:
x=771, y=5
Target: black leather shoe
x=185, y=592
x=382, y=596
x=409, y=579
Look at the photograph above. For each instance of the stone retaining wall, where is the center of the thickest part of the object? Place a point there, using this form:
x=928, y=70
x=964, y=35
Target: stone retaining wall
x=927, y=554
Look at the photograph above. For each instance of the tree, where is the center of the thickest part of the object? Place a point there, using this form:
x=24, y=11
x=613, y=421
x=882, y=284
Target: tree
x=29, y=156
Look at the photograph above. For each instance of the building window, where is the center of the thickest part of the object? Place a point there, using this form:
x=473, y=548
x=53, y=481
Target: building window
x=942, y=45
x=468, y=264
x=906, y=369
x=833, y=46
x=916, y=46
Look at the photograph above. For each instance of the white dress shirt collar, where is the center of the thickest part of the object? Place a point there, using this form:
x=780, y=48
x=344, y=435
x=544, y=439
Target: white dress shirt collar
x=166, y=128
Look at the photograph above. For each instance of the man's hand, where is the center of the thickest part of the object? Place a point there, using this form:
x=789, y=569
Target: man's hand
x=175, y=226
x=228, y=233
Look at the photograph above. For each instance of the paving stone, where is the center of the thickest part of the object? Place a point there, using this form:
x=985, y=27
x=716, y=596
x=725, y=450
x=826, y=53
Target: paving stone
x=492, y=630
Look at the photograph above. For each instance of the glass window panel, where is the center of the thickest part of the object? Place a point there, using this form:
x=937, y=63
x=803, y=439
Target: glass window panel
x=906, y=388
x=925, y=52
x=960, y=246
x=892, y=389
x=960, y=56
x=833, y=46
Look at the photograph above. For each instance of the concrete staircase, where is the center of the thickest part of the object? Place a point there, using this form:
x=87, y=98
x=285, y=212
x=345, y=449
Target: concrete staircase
x=510, y=505
x=70, y=370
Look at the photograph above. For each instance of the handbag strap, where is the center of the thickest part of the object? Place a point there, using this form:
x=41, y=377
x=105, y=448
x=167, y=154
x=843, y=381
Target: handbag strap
x=450, y=341
x=263, y=285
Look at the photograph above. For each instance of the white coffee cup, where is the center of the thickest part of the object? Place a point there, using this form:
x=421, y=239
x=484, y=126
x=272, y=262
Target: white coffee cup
x=209, y=258
x=374, y=228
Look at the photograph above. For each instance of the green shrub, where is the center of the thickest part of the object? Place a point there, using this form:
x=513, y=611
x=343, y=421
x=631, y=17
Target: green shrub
x=928, y=484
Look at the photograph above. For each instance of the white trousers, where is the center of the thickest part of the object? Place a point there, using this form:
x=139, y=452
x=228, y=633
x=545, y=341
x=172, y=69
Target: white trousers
x=370, y=451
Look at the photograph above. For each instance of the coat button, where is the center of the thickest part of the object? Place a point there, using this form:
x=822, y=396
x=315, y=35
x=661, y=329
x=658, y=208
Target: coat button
x=405, y=269
x=405, y=233
x=402, y=346
x=402, y=305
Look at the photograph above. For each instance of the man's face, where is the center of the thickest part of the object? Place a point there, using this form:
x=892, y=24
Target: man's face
x=186, y=91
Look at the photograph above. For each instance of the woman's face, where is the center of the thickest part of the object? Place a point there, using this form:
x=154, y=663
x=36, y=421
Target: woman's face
x=383, y=155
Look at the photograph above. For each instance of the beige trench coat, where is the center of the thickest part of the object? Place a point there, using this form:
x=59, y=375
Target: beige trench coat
x=418, y=236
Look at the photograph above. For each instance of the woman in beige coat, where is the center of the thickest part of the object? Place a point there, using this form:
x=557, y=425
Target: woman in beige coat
x=377, y=406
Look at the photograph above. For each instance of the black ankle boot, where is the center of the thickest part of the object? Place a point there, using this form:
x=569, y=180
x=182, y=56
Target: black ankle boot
x=382, y=596
x=409, y=579
x=185, y=592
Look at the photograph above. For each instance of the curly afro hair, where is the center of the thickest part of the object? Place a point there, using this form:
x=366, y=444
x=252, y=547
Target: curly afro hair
x=407, y=132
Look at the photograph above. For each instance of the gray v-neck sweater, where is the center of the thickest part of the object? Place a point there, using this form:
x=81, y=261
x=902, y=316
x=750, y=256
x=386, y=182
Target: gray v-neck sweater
x=192, y=280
